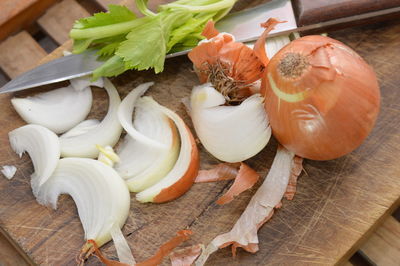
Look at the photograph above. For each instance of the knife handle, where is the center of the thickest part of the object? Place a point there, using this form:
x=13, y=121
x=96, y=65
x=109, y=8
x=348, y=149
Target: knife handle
x=310, y=12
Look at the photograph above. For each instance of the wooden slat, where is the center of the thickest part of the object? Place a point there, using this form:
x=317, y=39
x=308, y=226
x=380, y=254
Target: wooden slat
x=20, y=53
x=58, y=20
x=383, y=247
x=18, y=14
x=9, y=255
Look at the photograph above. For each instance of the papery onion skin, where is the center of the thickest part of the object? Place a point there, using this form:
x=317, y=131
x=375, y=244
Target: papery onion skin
x=328, y=109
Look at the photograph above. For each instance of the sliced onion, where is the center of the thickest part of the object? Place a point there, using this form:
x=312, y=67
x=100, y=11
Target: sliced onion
x=259, y=210
x=82, y=83
x=106, y=133
x=9, y=171
x=121, y=245
x=43, y=147
x=141, y=165
x=125, y=112
x=81, y=128
x=58, y=110
x=100, y=194
x=107, y=155
x=230, y=133
x=185, y=170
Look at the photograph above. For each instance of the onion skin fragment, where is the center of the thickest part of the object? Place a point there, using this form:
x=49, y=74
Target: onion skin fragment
x=185, y=256
x=326, y=106
x=186, y=181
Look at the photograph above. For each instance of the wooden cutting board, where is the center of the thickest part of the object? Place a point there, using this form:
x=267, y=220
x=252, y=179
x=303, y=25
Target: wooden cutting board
x=338, y=202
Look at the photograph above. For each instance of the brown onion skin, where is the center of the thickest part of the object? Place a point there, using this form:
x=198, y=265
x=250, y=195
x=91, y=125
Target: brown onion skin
x=340, y=105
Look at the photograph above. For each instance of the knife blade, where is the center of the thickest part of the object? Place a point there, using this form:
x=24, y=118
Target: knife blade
x=244, y=25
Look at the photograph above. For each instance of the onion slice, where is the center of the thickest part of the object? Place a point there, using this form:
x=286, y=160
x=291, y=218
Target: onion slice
x=81, y=128
x=43, y=147
x=182, y=175
x=259, y=210
x=125, y=112
x=84, y=82
x=59, y=110
x=229, y=133
x=9, y=171
x=142, y=165
x=100, y=194
x=106, y=133
x=121, y=245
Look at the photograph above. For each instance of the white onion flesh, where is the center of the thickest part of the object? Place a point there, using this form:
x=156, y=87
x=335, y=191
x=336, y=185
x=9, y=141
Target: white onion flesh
x=230, y=133
x=59, y=110
x=100, y=194
x=106, y=133
x=125, y=113
x=82, y=83
x=43, y=147
x=9, y=171
x=141, y=165
x=121, y=245
x=183, y=162
x=107, y=155
x=81, y=128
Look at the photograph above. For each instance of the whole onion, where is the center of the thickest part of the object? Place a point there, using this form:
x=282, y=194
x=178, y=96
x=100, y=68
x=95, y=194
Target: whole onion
x=321, y=97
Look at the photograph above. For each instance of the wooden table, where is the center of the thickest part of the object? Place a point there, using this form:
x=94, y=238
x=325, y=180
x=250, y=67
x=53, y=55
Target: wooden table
x=338, y=203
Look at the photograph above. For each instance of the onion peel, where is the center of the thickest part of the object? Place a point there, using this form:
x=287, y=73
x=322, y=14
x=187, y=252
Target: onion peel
x=245, y=178
x=185, y=256
x=166, y=248
x=296, y=171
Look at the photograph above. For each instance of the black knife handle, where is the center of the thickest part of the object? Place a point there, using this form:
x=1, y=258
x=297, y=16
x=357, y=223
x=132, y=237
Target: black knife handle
x=310, y=12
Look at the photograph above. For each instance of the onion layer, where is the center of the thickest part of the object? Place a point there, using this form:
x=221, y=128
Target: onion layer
x=106, y=133
x=322, y=98
x=43, y=147
x=182, y=175
x=100, y=194
x=59, y=110
x=230, y=133
x=142, y=165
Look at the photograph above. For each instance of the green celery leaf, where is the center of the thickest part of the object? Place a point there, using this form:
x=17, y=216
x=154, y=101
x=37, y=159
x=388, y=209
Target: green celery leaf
x=112, y=67
x=146, y=45
x=81, y=45
x=194, y=25
x=116, y=14
x=108, y=49
x=142, y=6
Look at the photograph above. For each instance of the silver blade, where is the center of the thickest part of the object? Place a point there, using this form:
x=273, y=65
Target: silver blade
x=244, y=25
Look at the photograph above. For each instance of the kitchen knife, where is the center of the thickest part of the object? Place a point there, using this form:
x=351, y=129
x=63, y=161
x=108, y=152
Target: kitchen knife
x=244, y=25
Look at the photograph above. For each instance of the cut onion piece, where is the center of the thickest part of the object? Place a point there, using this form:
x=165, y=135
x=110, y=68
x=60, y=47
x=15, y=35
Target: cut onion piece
x=259, y=210
x=185, y=170
x=121, y=245
x=106, y=133
x=141, y=165
x=100, y=194
x=125, y=112
x=230, y=133
x=107, y=155
x=59, y=110
x=9, y=171
x=43, y=147
x=81, y=128
x=84, y=82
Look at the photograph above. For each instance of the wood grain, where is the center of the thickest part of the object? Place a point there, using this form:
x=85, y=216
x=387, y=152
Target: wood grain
x=18, y=14
x=58, y=20
x=20, y=53
x=383, y=247
x=311, y=12
x=337, y=203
